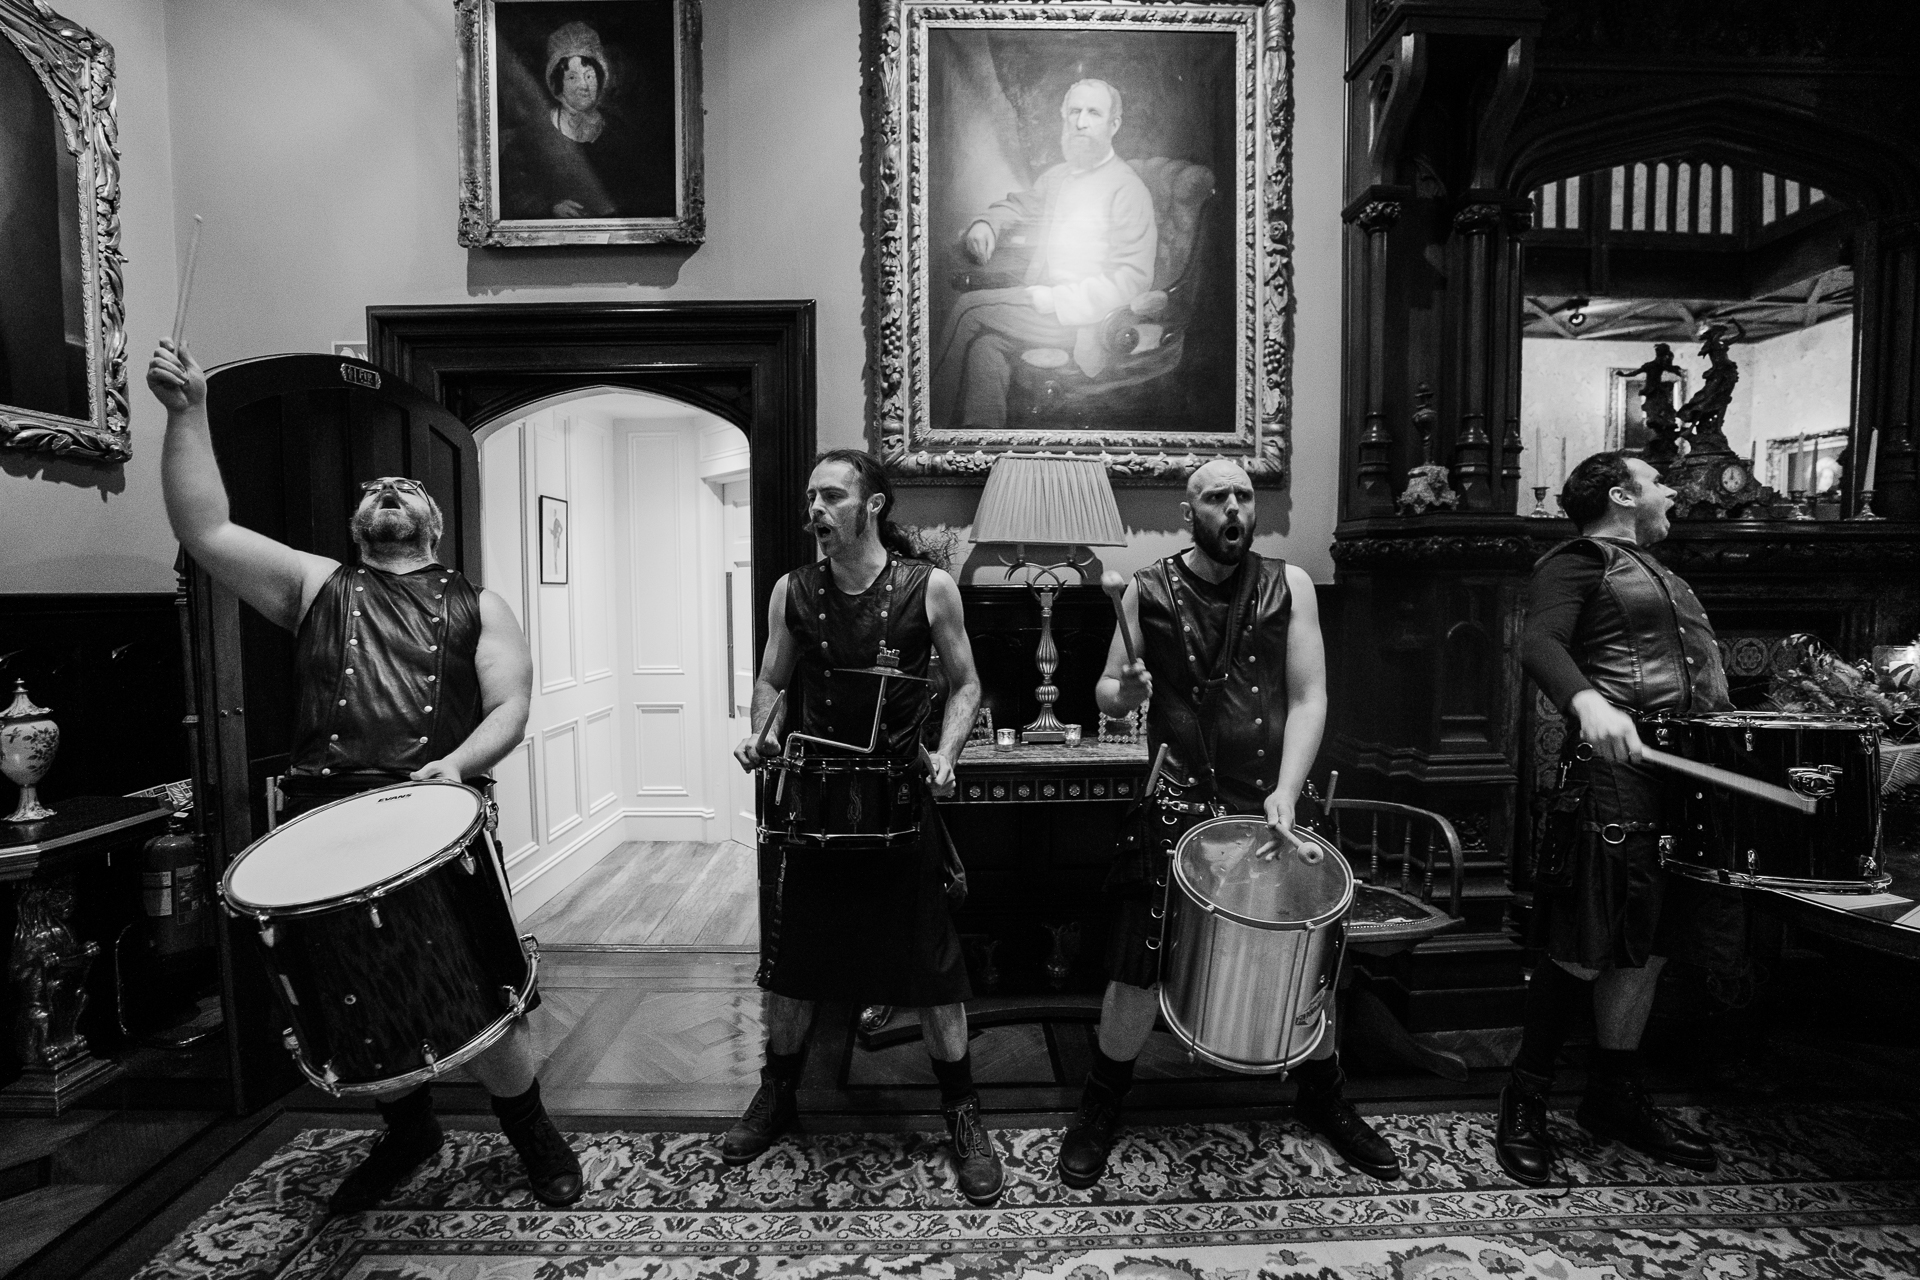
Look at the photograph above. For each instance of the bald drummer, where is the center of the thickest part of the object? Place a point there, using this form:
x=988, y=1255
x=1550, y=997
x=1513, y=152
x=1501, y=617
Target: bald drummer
x=1240, y=706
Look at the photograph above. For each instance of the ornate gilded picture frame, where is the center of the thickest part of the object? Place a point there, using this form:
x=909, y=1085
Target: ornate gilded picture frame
x=63, y=341
x=580, y=123
x=1079, y=234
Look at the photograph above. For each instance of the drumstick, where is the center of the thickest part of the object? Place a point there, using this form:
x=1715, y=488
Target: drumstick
x=766, y=726
x=1153, y=774
x=1731, y=781
x=186, y=286
x=1115, y=585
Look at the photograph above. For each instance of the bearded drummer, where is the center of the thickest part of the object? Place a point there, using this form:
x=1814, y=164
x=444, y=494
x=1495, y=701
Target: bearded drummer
x=1233, y=660
x=865, y=925
x=1611, y=634
x=405, y=671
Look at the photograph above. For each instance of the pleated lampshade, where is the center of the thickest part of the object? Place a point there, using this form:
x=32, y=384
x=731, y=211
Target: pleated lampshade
x=1052, y=501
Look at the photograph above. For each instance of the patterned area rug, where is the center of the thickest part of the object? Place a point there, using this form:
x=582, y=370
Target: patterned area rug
x=1831, y=1191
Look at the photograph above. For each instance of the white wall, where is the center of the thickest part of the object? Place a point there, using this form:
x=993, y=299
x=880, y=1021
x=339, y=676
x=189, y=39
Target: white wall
x=1802, y=382
x=319, y=142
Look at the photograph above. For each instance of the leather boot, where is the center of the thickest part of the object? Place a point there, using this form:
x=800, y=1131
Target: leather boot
x=1618, y=1109
x=772, y=1112
x=1323, y=1108
x=1088, y=1140
x=412, y=1138
x=974, y=1155
x=1522, y=1143
x=553, y=1171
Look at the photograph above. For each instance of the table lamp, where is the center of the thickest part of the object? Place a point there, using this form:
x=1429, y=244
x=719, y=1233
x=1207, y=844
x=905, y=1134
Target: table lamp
x=1047, y=501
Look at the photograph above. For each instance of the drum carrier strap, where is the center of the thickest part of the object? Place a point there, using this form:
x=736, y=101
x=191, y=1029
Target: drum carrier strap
x=1213, y=681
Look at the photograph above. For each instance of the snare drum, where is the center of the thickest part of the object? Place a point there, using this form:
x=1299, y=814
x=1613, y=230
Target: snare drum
x=1251, y=947
x=1731, y=839
x=388, y=934
x=835, y=800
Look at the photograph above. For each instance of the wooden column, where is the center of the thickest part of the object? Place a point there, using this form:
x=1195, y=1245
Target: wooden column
x=1374, y=457
x=1887, y=285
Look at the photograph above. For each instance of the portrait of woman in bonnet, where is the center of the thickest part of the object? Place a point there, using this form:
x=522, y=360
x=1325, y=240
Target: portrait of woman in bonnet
x=583, y=143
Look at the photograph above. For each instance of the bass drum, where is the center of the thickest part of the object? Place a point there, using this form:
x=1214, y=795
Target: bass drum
x=387, y=928
x=1730, y=839
x=1251, y=947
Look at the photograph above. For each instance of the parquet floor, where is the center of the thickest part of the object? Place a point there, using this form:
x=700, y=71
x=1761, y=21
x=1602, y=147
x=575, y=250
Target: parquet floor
x=657, y=894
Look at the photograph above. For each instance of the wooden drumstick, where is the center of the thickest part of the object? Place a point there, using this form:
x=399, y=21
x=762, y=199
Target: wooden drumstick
x=1114, y=583
x=1153, y=774
x=1737, y=782
x=766, y=726
x=186, y=287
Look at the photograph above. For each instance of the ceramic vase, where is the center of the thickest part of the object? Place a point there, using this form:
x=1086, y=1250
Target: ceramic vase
x=28, y=740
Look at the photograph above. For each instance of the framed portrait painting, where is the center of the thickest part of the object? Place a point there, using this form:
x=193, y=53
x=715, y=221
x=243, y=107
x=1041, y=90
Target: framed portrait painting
x=63, y=341
x=1079, y=234
x=580, y=122
x=554, y=551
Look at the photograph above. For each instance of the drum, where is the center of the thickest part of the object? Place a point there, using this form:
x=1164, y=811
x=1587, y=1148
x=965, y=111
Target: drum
x=838, y=800
x=1251, y=947
x=1735, y=840
x=388, y=934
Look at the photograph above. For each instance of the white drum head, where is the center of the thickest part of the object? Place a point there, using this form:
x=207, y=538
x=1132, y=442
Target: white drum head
x=352, y=845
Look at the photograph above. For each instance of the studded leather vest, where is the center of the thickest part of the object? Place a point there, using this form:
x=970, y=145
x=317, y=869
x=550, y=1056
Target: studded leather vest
x=836, y=632
x=1243, y=720
x=1643, y=641
x=384, y=665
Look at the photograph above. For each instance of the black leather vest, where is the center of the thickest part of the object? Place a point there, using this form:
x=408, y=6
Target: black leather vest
x=835, y=630
x=384, y=665
x=1643, y=641
x=1245, y=715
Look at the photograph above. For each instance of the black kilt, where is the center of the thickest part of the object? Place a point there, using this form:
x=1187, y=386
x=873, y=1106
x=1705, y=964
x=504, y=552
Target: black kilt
x=1138, y=886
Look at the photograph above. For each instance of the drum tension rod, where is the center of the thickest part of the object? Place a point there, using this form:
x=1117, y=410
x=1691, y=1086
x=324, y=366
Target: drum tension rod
x=373, y=909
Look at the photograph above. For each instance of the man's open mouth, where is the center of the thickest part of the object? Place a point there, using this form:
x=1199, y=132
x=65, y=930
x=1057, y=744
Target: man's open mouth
x=1232, y=533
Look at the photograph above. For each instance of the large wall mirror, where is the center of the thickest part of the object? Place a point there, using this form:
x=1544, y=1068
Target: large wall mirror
x=63, y=377
x=1660, y=251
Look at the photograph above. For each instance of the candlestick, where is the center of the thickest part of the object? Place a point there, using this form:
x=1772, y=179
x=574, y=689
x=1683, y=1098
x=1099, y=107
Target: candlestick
x=1563, y=459
x=1873, y=460
x=1540, y=511
x=1866, y=511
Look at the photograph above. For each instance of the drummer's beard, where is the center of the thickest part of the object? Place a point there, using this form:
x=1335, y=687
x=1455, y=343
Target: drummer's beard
x=1225, y=544
x=390, y=528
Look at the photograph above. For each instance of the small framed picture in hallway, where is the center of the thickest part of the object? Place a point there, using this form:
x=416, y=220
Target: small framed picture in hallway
x=553, y=541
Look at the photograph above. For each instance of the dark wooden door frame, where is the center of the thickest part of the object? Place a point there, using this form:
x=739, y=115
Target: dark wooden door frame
x=750, y=363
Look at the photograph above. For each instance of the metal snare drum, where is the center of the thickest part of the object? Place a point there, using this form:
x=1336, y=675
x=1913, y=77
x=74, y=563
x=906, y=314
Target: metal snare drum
x=1730, y=839
x=1251, y=948
x=832, y=800
x=388, y=933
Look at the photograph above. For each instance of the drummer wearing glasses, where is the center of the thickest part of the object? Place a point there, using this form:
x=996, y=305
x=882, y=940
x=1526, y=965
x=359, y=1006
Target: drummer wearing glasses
x=1611, y=634
x=1232, y=656
x=405, y=670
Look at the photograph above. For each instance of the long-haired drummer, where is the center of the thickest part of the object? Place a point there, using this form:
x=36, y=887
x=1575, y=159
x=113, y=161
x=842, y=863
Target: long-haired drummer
x=1611, y=633
x=853, y=917
x=1233, y=660
x=405, y=670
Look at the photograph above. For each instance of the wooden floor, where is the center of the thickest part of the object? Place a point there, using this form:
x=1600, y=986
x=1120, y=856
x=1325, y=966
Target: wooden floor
x=658, y=894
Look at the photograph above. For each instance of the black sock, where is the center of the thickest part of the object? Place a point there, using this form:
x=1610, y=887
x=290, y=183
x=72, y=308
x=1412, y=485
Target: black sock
x=1551, y=996
x=1616, y=1064
x=1111, y=1074
x=409, y=1111
x=956, y=1078
x=519, y=1110
x=785, y=1067
x=1320, y=1075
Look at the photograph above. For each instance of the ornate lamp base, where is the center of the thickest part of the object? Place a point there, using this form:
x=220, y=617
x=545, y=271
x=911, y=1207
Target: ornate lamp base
x=42, y=1091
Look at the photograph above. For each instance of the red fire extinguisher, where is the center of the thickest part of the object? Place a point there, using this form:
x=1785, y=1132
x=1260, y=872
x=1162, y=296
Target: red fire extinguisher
x=174, y=890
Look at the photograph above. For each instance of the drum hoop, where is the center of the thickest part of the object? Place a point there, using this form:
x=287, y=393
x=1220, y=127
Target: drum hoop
x=380, y=888
x=1767, y=720
x=1742, y=880
x=869, y=839
x=823, y=765
x=488, y=1037
x=1273, y=926
x=1242, y=1066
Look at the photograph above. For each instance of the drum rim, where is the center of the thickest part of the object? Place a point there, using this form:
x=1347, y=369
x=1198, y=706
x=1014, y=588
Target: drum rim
x=890, y=765
x=1272, y=926
x=1791, y=884
x=1778, y=719
x=380, y=888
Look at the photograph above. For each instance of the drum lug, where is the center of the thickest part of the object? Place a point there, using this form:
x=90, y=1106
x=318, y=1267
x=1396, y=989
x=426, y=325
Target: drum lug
x=1749, y=737
x=291, y=1041
x=267, y=934
x=513, y=999
x=493, y=817
x=467, y=864
x=428, y=1056
x=330, y=1078
x=373, y=910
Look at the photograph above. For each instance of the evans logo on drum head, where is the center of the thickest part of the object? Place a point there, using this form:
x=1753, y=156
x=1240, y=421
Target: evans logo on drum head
x=360, y=377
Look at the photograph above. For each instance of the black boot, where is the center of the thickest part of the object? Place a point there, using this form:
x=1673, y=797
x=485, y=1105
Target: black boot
x=1323, y=1108
x=553, y=1171
x=1088, y=1140
x=1616, y=1108
x=771, y=1113
x=974, y=1155
x=412, y=1138
x=1522, y=1144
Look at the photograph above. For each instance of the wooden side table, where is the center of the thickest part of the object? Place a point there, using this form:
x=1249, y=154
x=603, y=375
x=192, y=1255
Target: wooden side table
x=47, y=963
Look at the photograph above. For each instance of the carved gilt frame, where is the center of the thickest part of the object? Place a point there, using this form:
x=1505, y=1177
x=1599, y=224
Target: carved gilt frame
x=481, y=223
x=75, y=67
x=899, y=258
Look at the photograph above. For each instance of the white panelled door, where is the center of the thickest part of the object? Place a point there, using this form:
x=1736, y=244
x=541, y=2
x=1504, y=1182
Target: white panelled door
x=736, y=539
